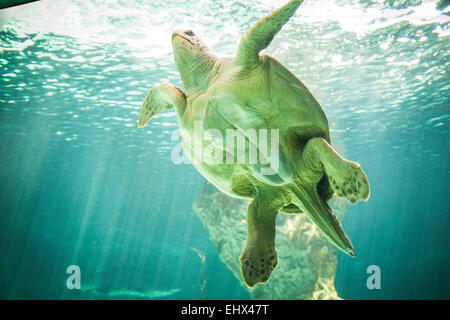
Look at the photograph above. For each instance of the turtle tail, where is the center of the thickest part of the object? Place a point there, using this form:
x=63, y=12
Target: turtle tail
x=308, y=199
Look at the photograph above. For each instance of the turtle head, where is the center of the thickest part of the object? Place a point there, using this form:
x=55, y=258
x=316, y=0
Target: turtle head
x=192, y=58
x=186, y=43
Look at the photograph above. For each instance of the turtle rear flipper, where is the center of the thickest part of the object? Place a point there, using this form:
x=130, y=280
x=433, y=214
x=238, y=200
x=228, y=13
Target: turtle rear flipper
x=346, y=177
x=350, y=181
x=259, y=257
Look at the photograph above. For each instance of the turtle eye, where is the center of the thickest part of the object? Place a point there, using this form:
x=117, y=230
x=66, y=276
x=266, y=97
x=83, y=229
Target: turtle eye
x=190, y=33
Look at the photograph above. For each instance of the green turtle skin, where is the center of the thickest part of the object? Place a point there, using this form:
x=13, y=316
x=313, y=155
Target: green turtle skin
x=252, y=92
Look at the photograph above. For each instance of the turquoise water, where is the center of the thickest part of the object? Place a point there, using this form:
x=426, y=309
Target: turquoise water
x=80, y=184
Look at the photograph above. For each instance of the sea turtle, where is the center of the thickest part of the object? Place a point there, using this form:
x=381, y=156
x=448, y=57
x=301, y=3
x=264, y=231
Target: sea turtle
x=253, y=91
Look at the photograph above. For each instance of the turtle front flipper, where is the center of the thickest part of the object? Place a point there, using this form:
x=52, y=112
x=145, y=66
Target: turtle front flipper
x=162, y=96
x=259, y=257
x=262, y=33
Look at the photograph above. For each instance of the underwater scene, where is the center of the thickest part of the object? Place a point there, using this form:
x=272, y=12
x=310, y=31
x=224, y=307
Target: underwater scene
x=96, y=203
